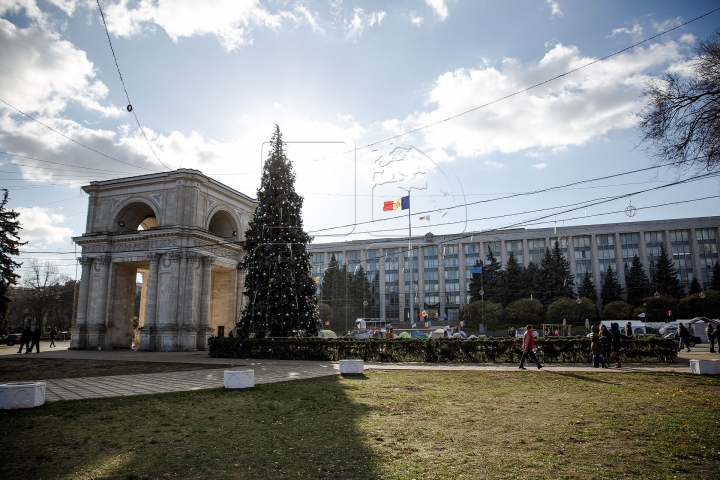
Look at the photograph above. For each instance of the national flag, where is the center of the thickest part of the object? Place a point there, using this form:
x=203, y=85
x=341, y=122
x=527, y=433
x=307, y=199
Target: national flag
x=477, y=270
x=316, y=279
x=669, y=314
x=462, y=324
x=426, y=217
x=399, y=204
x=426, y=324
x=326, y=323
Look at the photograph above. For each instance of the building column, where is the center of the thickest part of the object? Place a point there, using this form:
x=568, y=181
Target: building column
x=619, y=262
x=461, y=275
x=596, y=262
x=401, y=288
x=643, y=253
x=421, y=281
x=188, y=329
x=97, y=308
x=382, y=283
x=441, y=280
x=205, y=330
x=78, y=332
x=168, y=325
x=695, y=255
x=148, y=332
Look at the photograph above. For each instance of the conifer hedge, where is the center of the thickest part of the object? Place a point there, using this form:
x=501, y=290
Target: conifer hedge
x=636, y=349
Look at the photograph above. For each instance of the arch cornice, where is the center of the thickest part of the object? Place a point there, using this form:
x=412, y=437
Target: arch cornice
x=137, y=198
x=224, y=207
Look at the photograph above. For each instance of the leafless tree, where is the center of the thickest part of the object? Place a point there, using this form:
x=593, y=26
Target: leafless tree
x=681, y=121
x=42, y=282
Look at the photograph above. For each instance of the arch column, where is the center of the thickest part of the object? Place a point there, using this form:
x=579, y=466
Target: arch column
x=168, y=323
x=205, y=330
x=148, y=332
x=78, y=332
x=188, y=284
x=98, y=302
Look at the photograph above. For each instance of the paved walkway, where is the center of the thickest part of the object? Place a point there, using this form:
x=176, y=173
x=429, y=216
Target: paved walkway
x=266, y=371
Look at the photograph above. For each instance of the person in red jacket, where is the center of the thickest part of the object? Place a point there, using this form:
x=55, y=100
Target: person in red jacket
x=528, y=346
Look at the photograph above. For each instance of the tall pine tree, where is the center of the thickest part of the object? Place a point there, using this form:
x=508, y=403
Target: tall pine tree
x=514, y=280
x=587, y=288
x=694, y=287
x=715, y=280
x=280, y=291
x=665, y=279
x=638, y=284
x=611, y=290
x=9, y=245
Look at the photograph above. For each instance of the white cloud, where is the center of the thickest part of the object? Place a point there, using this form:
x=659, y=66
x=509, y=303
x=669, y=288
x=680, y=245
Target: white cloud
x=688, y=38
x=416, y=20
x=38, y=226
x=490, y=163
x=555, y=8
x=666, y=24
x=540, y=166
x=571, y=110
x=362, y=21
x=439, y=7
x=231, y=21
x=47, y=73
x=635, y=32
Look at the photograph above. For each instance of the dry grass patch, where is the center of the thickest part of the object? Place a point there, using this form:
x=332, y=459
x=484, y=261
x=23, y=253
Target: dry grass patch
x=407, y=425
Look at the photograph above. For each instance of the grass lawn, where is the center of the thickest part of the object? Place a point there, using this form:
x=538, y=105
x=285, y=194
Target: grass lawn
x=21, y=367
x=399, y=424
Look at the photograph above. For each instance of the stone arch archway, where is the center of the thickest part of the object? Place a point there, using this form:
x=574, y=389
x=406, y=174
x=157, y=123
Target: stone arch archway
x=134, y=214
x=223, y=224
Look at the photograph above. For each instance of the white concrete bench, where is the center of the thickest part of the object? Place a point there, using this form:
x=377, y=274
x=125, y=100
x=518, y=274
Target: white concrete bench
x=22, y=395
x=239, y=378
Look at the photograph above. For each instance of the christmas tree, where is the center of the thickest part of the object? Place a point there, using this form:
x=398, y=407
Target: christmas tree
x=280, y=291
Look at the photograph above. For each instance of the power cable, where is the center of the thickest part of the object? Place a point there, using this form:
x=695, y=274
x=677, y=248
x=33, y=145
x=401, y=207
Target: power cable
x=60, y=163
x=75, y=141
x=129, y=107
x=523, y=90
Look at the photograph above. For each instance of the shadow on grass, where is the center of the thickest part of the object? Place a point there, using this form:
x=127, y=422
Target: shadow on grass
x=584, y=377
x=299, y=429
x=354, y=376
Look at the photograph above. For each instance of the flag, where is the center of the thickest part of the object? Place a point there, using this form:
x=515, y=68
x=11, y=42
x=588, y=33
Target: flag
x=399, y=204
x=426, y=324
x=669, y=314
x=462, y=324
x=316, y=279
x=476, y=270
x=326, y=323
x=426, y=217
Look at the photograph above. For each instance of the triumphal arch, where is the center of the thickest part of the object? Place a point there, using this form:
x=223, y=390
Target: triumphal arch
x=181, y=233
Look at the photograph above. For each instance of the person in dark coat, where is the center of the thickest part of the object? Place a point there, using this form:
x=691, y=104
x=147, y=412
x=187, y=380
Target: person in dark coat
x=595, y=346
x=628, y=329
x=615, y=342
x=53, y=335
x=711, y=335
x=36, y=336
x=684, y=337
x=605, y=340
x=25, y=339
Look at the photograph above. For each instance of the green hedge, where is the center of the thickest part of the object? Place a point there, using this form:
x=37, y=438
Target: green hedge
x=637, y=349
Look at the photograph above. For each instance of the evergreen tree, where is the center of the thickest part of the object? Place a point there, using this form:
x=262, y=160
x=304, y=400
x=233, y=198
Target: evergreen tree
x=666, y=276
x=477, y=282
x=358, y=293
x=9, y=245
x=513, y=280
x=715, y=280
x=587, y=288
x=532, y=282
x=557, y=280
x=694, y=287
x=492, y=280
x=333, y=288
x=611, y=290
x=638, y=284
x=280, y=290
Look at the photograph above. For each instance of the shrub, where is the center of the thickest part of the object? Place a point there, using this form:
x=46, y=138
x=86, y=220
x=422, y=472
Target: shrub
x=617, y=310
x=656, y=308
x=474, y=314
x=524, y=311
x=568, y=309
x=645, y=348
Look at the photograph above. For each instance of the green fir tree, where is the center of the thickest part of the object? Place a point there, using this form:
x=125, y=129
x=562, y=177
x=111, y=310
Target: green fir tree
x=637, y=283
x=514, y=280
x=611, y=290
x=694, y=287
x=280, y=291
x=587, y=288
x=9, y=246
x=666, y=280
x=715, y=280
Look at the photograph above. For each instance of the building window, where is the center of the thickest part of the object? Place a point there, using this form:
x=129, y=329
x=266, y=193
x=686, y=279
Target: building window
x=452, y=275
x=653, y=242
x=516, y=248
x=472, y=255
x=680, y=242
x=353, y=260
x=629, y=243
x=583, y=257
x=707, y=250
x=606, y=254
x=563, y=244
x=536, y=250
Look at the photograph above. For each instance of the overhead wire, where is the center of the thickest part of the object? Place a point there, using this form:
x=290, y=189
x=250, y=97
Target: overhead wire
x=129, y=107
x=61, y=163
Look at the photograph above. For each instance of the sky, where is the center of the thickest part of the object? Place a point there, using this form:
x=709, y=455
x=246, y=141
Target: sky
x=346, y=81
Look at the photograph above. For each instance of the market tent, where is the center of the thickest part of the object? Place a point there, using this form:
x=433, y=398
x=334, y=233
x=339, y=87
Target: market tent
x=404, y=335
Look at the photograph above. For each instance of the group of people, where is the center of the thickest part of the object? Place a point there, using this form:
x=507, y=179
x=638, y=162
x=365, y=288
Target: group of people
x=35, y=336
x=605, y=345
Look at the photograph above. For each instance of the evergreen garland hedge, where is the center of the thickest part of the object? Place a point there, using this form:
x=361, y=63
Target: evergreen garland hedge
x=636, y=349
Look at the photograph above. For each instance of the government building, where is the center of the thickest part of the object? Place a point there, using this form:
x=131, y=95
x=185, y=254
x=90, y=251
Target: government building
x=439, y=266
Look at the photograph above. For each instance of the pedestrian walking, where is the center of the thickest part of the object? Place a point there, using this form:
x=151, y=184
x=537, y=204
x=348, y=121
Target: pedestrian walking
x=36, y=336
x=25, y=339
x=711, y=335
x=606, y=341
x=615, y=342
x=684, y=337
x=628, y=329
x=528, y=347
x=53, y=334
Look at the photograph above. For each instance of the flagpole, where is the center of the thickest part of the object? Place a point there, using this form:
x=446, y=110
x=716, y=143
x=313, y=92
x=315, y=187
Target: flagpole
x=410, y=257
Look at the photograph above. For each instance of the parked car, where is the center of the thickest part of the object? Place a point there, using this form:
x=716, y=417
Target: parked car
x=693, y=339
x=10, y=340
